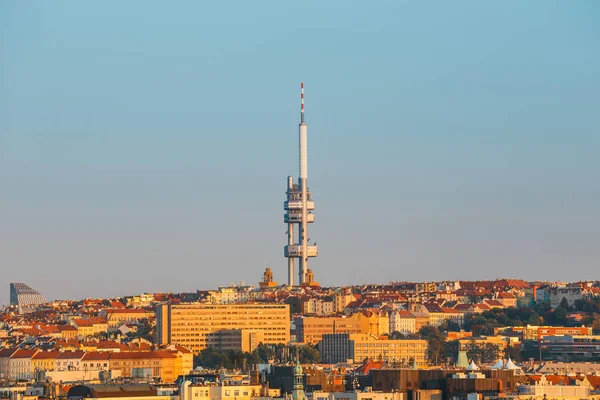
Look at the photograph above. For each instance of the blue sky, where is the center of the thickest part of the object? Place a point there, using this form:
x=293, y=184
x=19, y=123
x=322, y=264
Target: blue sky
x=144, y=146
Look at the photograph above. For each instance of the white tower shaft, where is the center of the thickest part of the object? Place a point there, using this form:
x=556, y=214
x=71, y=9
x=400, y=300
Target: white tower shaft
x=303, y=144
x=299, y=206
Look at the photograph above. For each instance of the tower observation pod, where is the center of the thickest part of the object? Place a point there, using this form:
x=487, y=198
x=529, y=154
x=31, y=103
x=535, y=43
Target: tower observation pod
x=299, y=206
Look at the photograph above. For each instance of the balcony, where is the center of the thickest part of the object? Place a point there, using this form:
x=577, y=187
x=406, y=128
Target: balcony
x=295, y=250
x=297, y=218
x=297, y=205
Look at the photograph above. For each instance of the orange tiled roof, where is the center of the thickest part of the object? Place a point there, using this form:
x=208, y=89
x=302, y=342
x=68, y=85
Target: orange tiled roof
x=46, y=355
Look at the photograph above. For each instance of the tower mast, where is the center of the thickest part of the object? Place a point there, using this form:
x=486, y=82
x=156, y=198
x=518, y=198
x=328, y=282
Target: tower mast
x=299, y=206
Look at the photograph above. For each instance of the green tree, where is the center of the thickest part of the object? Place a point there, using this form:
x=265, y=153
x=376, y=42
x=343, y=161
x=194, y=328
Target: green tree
x=436, y=344
x=564, y=303
x=514, y=353
x=309, y=355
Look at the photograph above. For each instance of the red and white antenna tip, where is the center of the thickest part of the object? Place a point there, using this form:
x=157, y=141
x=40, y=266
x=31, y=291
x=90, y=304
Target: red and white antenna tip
x=302, y=96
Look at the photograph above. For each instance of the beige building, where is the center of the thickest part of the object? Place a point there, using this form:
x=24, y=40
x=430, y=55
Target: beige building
x=84, y=327
x=225, y=392
x=20, y=365
x=44, y=361
x=367, y=346
x=318, y=307
x=69, y=360
x=312, y=329
x=403, y=321
x=235, y=339
x=116, y=317
x=5, y=361
x=192, y=325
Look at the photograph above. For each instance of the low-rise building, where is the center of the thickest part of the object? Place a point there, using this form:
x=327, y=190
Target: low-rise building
x=20, y=366
x=115, y=317
x=403, y=321
x=44, y=361
x=69, y=360
x=358, y=347
x=84, y=327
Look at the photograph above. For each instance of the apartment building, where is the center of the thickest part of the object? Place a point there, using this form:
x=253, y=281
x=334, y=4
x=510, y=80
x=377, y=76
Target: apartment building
x=318, y=307
x=367, y=346
x=44, y=361
x=20, y=366
x=403, y=321
x=84, y=327
x=4, y=361
x=190, y=324
x=235, y=339
x=69, y=361
x=312, y=329
x=116, y=317
x=150, y=364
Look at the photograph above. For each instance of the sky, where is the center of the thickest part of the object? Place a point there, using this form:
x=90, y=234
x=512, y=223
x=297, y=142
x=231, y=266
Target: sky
x=145, y=145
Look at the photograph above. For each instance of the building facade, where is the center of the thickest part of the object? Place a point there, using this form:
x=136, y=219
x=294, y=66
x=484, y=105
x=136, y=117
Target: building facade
x=192, y=325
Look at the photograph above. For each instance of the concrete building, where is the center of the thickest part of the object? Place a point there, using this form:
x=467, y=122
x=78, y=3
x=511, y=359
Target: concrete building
x=336, y=348
x=312, y=329
x=299, y=206
x=534, y=332
x=235, y=339
x=189, y=325
x=222, y=391
x=544, y=389
x=571, y=345
x=367, y=346
x=364, y=395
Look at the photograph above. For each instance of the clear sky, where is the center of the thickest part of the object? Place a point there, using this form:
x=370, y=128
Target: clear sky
x=145, y=145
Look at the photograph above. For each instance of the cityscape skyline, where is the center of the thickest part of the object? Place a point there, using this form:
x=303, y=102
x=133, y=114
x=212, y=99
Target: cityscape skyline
x=140, y=159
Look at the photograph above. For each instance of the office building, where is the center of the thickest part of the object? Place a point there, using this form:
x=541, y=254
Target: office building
x=198, y=325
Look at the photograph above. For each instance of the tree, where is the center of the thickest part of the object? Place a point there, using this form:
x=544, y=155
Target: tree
x=449, y=326
x=436, y=344
x=396, y=335
x=482, y=352
x=560, y=315
x=309, y=354
x=564, y=303
x=451, y=351
x=514, y=354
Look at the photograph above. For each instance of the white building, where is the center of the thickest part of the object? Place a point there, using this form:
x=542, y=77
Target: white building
x=403, y=321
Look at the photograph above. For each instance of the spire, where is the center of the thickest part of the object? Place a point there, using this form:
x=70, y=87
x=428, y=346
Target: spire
x=302, y=102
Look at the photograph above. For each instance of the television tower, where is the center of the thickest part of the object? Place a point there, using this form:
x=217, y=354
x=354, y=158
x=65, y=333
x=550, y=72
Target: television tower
x=299, y=206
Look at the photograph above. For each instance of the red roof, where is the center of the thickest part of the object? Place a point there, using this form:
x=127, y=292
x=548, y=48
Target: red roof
x=46, y=355
x=24, y=354
x=96, y=356
x=71, y=355
x=505, y=295
x=7, y=352
x=127, y=311
x=66, y=328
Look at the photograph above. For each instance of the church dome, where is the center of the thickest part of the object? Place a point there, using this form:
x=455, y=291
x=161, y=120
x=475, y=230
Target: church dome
x=297, y=369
